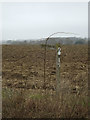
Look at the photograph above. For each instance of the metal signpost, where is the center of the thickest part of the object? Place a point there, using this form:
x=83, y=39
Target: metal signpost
x=58, y=54
x=58, y=69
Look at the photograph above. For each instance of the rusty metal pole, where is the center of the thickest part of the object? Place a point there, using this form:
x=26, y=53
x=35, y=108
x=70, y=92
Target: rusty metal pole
x=45, y=64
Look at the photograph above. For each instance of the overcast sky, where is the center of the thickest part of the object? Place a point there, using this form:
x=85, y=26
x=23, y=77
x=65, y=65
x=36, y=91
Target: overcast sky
x=39, y=20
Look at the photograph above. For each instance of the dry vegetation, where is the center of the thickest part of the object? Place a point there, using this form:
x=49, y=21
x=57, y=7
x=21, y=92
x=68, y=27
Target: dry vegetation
x=23, y=93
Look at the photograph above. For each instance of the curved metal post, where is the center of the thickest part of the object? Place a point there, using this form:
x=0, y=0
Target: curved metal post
x=45, y=52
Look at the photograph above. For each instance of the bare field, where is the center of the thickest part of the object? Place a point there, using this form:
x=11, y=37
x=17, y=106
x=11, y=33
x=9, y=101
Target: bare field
x=23, y=82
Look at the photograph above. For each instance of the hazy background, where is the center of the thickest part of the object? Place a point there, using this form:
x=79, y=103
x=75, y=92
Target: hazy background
x=39, y=20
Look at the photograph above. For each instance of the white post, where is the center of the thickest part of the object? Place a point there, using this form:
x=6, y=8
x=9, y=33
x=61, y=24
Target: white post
x=58, y=53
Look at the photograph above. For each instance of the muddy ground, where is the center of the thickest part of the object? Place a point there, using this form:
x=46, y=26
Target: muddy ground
x=23, y=66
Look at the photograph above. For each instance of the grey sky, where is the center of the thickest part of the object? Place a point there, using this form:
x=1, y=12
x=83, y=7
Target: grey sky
x=39, y=20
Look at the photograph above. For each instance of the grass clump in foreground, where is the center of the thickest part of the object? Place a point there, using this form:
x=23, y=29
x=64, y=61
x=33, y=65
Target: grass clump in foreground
x=19, y=105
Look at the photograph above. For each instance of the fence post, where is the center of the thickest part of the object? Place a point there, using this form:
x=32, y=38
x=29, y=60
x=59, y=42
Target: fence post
x=57, y=61
x=58, y=53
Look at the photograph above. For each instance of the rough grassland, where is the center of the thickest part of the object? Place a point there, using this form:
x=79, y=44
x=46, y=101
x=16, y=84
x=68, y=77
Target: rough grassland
x=24, y=94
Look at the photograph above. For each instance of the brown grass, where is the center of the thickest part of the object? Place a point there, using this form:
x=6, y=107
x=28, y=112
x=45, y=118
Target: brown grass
x=44, y=106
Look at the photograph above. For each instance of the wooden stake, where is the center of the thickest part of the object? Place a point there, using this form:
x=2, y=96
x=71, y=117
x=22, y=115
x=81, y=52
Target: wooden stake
x=58, y=71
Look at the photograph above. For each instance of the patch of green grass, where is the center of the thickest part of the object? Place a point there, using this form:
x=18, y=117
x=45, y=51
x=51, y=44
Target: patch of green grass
x=36, y=96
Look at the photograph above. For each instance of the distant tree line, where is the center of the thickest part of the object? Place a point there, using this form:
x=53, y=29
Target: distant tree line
x=51, y=41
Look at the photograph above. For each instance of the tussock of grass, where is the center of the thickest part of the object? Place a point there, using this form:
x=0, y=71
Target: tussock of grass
x=16, y=105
